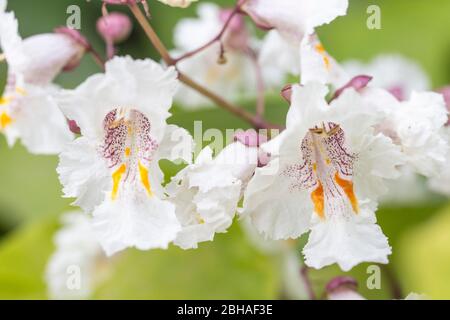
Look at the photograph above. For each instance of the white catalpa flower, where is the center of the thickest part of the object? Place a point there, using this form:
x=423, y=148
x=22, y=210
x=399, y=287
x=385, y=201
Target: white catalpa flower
x=392, y=72
x=27, y=108
x=416, y=124
x=73, y=268
x=206, y=194
x=233, y=79
x=113, y=169
x=327, y=170
x=292, y=46
x=178, y=3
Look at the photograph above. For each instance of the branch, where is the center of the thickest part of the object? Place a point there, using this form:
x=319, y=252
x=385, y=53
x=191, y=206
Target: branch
x=235, y=11
x=255, y=121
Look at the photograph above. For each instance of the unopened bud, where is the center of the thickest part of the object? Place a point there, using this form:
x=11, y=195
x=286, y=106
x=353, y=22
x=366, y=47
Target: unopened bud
x=358, y=83
x=250, y=138
x=115, y=27
x=73, y=126
x=343, y=288
x=286, y=92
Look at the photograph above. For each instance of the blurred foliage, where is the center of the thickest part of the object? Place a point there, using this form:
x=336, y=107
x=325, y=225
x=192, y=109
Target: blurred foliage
x=424, y=253
x=30, y=194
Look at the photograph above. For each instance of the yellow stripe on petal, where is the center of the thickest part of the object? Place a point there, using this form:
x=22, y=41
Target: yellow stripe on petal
x=4, y=100
x=5, y=120
x=143, y=171
x=318, y=199
x=117, y=176
x=321, y=50
x=21, y=91
x=347, y=186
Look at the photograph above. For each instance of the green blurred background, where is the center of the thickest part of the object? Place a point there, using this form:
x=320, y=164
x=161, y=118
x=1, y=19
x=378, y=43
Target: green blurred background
x=230, y=267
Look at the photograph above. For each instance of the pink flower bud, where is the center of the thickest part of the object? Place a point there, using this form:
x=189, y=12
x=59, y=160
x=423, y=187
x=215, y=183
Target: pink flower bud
x=286, y=92
x=358, y=83
x=397, y=92
x=73, y=126
x=236, y=36
x=250, y=138
x=263, y=158
x=115, y=27
x=343, y=288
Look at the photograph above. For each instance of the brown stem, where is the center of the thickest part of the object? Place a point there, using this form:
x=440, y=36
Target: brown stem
x=305, y=275
x=151, y=34
x=97, y=58
x=255, y=121
x=235, y=11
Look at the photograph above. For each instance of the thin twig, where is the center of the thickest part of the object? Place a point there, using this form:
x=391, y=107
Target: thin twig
x=235, y=11
x=305, y=276
x=97, y=58
x=151, y=34
x=255, y=121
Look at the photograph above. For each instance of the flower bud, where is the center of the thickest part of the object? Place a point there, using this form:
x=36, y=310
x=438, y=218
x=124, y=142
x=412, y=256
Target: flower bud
x=343, y=288
x=115, y=27
x=250, y=138
x=236, y=36
x=73, y=127
x=357, y=83
x=286, y=92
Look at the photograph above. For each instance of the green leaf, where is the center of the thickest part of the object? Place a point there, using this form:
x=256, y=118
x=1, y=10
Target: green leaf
x=425, y=257
x=30, y=188
x=228, y=268
x=23, y=257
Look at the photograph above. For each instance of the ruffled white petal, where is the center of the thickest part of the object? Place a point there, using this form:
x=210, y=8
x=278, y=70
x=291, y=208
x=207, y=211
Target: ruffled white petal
x=276, y=211
x=418, y=125
x=83, y=174
x=296, y=17
x=177, y=144
x=135, y=220
x=142, y=85
x=346, y=242
x=206, y=195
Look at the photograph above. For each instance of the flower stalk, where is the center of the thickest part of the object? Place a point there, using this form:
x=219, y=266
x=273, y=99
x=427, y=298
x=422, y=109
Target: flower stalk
x=255, y=120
